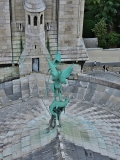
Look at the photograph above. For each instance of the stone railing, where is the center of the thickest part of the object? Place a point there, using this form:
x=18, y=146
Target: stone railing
x=9, y=73
x=104, y=82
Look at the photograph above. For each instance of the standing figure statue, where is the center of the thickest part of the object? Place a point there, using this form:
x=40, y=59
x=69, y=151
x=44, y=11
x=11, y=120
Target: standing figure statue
x=59, y=78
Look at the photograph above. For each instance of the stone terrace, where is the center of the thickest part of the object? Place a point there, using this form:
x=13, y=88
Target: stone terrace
x=90, y=126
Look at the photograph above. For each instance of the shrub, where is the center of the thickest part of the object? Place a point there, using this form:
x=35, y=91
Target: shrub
x=87, y=26
x=113, y=39
x=102, y=43
x=100, y=31
x=88, y=16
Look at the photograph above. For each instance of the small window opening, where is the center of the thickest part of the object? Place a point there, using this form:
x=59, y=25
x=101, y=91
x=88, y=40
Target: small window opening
x=20, y=27
x=47, y=26
x=29, y=20
x=35, y=21
x=41, y=19
x=35, y=47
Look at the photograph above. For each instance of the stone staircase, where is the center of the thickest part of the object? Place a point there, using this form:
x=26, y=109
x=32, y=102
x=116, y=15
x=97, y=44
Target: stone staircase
x=52, y=35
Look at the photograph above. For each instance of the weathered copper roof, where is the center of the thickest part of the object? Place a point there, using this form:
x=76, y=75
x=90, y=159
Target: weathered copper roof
x=34, y=5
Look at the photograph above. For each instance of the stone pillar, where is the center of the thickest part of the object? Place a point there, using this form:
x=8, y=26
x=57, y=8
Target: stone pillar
x=78, y=20
x=13, y=10
x=81, y=17
x=54, y=10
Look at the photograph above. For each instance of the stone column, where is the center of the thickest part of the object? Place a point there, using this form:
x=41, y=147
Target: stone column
x=81, y=16
x=13, y=10
x=53, y=10
x=78, y=20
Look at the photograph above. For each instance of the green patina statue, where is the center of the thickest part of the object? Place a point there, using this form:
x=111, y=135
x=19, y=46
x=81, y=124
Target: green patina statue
x=55, y=109
x=58, y=105
x=59, y=78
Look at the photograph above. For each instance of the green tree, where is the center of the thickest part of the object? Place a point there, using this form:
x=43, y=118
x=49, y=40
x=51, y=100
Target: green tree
x=93, y=1
x=100, y=31
x=88, y=25
x=113, y=39
x=107, y=9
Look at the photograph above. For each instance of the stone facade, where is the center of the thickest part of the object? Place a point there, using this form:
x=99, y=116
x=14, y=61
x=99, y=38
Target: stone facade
x=5, y=33
x=66, y=17
x=17, y=28
x=70, y=30
x=33, y=57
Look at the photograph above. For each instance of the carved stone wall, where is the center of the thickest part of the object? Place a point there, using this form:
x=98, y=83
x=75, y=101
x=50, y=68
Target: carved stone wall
x=18, y=28
x=5, y=32
x=49, y=10
x=12, y=27
x=71, y=44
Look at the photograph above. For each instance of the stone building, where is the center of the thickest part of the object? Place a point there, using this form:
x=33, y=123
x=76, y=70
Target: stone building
x=31, y=30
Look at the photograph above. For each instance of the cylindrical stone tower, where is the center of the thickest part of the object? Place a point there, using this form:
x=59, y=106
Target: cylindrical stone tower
x=33, y=58
x=34, y=23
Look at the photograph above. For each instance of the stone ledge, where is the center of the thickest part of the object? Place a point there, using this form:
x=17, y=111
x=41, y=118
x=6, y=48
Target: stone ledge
x=92, y=79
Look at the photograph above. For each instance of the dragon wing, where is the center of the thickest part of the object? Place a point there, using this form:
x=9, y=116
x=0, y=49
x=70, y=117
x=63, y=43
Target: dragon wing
x=66, y=73
x=53, y=70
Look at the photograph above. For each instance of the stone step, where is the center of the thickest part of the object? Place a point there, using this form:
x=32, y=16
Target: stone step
x=53, y=48
x=52, y=32
x=53, y=25
x=53, y=36
x=24, y=87
x=53, y=42
x=53, y=45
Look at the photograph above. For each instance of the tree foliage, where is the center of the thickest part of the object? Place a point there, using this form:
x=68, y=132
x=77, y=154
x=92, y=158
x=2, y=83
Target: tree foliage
x=113, y=39
x=100, y=31
x=107, y=9
x=88, y=26
x=93, y=1
x=106, y=16
x=106, y=40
